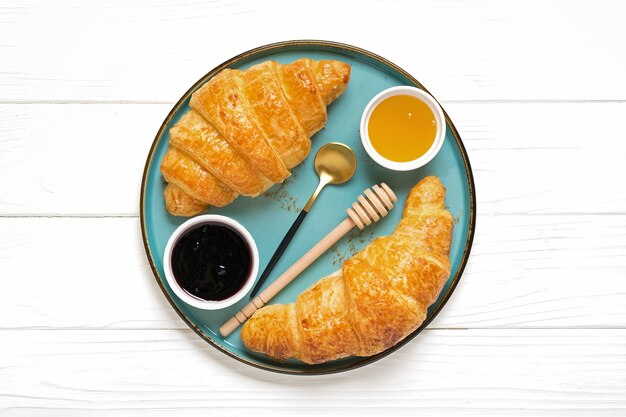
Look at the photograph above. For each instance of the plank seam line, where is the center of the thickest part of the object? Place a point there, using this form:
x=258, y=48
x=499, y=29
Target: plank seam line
x=69, y=216
x=20, y=102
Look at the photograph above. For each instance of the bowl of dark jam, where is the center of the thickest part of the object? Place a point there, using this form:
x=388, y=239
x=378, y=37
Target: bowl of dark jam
x=211, y=262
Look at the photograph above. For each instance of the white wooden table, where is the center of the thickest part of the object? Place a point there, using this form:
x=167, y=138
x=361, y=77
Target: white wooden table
x=537, y=325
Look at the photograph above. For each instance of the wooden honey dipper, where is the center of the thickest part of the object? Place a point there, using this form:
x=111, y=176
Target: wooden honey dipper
x=371, y=207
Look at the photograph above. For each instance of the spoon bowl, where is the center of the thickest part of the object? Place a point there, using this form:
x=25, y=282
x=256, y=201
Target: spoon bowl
x=335, y=161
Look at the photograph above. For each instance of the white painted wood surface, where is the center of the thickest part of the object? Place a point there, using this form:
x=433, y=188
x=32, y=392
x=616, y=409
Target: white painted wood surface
x=537, y=325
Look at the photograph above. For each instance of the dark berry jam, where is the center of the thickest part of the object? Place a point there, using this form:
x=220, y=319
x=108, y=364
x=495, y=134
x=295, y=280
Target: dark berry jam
x=211, y=262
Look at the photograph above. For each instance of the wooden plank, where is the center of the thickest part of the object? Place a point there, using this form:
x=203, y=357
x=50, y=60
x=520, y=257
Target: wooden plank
x=442, y=372
x=461, y=50
x=524, y=271
x=544, y=157
x=527, y=158
x=74, y=159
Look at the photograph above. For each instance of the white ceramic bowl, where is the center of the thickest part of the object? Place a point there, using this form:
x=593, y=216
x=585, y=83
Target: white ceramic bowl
x=222, y=221
x=439, y=136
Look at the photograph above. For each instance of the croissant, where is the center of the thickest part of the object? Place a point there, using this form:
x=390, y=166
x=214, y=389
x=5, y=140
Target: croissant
x=246, y=130
x=375, y=300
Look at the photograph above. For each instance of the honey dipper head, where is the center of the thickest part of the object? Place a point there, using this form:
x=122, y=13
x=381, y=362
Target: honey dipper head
x=373, y=205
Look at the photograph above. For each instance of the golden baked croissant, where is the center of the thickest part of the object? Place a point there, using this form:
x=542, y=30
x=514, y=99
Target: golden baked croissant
x=246, y=130
x=379, y=296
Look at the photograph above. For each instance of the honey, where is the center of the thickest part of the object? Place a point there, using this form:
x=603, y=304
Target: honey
x=402, y=128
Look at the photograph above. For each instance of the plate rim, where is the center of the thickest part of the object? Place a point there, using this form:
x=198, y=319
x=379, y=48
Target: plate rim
x=278, y=46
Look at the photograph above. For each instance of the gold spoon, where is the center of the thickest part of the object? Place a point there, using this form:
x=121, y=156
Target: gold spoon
x=335, y=163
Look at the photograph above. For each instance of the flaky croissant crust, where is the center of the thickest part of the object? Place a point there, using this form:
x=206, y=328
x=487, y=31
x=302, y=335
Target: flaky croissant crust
x=379, y=296
x=246, y=130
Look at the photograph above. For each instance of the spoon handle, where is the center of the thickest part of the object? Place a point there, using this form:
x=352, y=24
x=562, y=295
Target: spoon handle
x=279, y=252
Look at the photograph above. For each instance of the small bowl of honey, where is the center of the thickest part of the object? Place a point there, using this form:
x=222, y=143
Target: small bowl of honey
x=403, y=128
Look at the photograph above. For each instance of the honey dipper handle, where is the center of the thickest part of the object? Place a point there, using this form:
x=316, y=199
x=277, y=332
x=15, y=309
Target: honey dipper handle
x=288, y=276
x=307, y=259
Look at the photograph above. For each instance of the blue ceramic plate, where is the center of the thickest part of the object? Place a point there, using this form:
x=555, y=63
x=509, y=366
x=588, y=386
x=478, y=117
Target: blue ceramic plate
x=269, y=216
